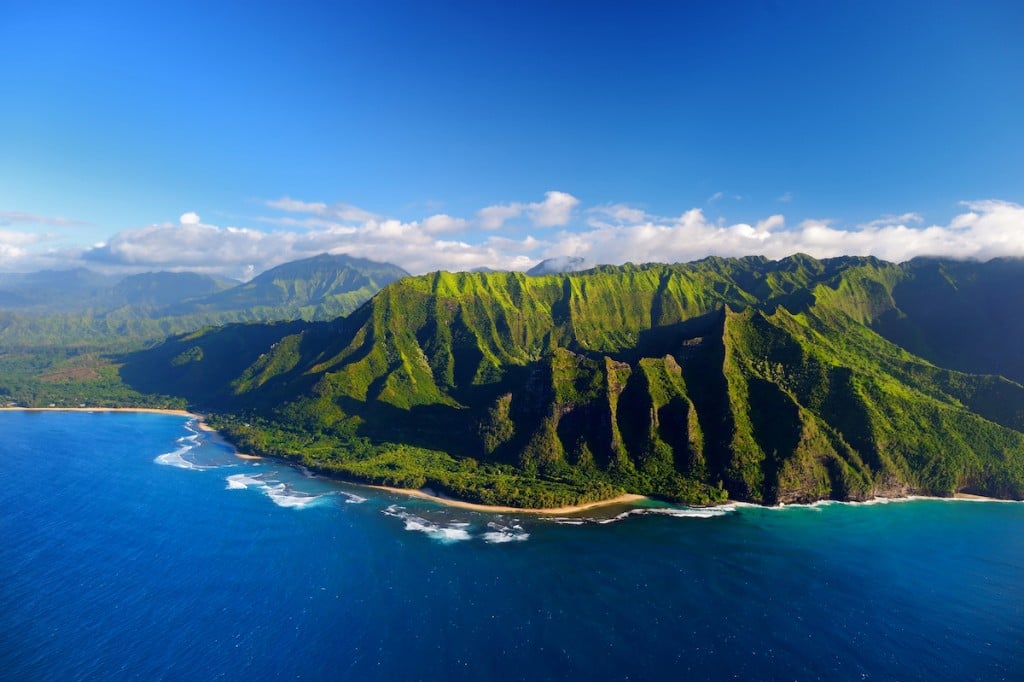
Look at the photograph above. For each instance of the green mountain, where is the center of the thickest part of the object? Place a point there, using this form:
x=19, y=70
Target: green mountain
x=81, y=308
x=555, y=266
x=53, y=291
x=767, y=381
x=320, y=287
x=157, y=290
x=61, y=332
x=960, y=314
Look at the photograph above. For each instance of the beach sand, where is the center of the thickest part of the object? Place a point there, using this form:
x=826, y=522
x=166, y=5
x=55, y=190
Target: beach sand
x=970, y=496
x=626, y=499
x=497, y=509
x=150, y=410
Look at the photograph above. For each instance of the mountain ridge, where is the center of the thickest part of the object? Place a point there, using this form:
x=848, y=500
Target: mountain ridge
x=765, y=381
x=41, y=308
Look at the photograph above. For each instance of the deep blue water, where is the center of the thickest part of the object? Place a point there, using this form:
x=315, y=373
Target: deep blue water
x=132, y=547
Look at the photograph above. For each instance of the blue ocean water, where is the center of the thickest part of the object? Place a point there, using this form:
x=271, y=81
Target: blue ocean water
x=134, y=546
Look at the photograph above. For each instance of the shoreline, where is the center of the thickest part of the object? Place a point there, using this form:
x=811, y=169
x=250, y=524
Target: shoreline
x=624, y=499
x=148, y=410
x=977, y=498
x=955, y=497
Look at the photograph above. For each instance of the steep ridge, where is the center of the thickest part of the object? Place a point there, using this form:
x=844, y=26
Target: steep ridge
x=754, y=379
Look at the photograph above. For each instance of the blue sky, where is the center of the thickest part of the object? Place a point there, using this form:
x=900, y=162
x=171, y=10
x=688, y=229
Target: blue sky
x=228, y=139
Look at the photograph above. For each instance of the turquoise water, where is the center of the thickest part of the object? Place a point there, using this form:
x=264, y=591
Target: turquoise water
x=135, y=547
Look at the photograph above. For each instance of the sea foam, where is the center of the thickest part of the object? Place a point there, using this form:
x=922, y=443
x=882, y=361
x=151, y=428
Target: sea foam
x=500, y=533
x=177, y=459
x=280, y=493
x=448, y=534
x=680, y=513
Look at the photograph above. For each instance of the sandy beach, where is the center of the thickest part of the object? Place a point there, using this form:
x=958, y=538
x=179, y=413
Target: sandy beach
x=497, y=509
x=621, y=499
x=151, y=410
x=425, y=495
x=979, y=498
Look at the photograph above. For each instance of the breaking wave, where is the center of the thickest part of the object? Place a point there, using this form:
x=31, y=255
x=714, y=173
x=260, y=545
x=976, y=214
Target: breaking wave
x=698, y=513
x=176, y=458
x=445, y=534
x=500, y=533
x=284, y=495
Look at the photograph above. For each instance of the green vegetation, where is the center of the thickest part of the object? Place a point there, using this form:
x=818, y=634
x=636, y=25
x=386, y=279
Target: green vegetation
x=767, y=381
x=79, y=308
x=63, y=333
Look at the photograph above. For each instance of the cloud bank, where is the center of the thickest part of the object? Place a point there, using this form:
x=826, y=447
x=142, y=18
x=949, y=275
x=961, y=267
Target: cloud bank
x=516, y=236
x=26, y=218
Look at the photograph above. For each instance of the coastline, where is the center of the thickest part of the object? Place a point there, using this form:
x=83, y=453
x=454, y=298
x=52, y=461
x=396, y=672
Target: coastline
x=420, y=494
x=977, y=498
x=150, y=410
x=624, y=499
x=955, y=497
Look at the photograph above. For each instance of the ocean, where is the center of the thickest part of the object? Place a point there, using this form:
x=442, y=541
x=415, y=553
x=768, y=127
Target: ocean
x=133, y=546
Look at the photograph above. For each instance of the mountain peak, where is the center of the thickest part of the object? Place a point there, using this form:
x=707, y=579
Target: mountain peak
x=558, y=265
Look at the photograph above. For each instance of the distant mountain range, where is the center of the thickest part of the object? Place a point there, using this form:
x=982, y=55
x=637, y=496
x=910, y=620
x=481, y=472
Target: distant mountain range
x=766, y=381
x=554, y=266
x=56, y=307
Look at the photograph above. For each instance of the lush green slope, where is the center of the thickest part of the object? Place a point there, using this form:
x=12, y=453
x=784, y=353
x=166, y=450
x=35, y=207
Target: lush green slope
x=62, y=331
x=80, y=308
x=321, y=287
x=768, y=381
x=960, y=315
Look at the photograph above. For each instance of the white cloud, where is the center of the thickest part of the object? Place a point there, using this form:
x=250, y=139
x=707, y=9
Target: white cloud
x=18, y=238
x=441, y=223
x=893, y=220
x=621, y=213
x=15, y=249
x=772, y=222
x=989, y=229
x=493, y=217
x=308, y=223
x=608, y=233
x=785, y=197
x=25, y=218
x=295, y=206
x=337, y=211
x=554, y=211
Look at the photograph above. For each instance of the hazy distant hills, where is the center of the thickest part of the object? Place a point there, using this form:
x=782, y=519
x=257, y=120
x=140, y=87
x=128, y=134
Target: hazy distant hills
x=74, y=306
x=321, y=287
x=51, y=291
x=156, y=291
x=554, y=266
x=769, y=381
